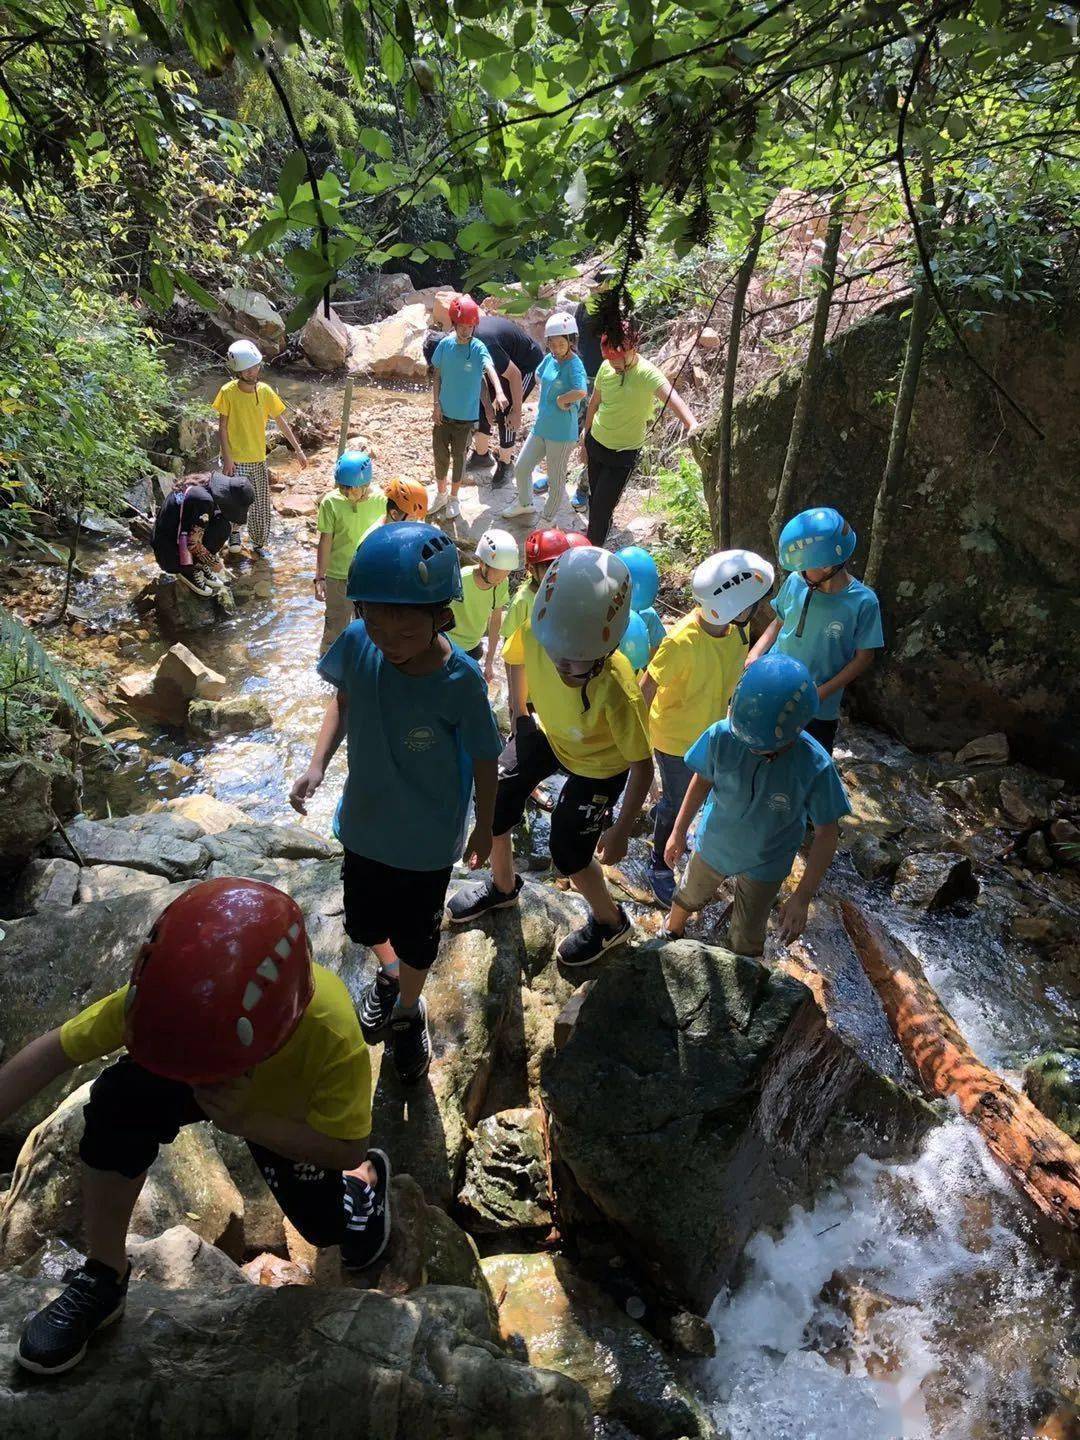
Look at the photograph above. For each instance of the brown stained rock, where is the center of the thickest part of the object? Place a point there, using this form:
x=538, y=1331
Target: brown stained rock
x=214, y=719
x=296, y=504
x=181, y=671
x=44, y=885
x=210, y=814
x=568, y=1016
x=934, y=881
x=274, y=1272
x=142, y=698
x=325, y=341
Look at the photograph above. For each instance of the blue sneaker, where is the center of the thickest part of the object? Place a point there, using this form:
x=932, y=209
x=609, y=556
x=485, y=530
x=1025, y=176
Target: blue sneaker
x=663, y=884
x=580, y=498
x=540, y=485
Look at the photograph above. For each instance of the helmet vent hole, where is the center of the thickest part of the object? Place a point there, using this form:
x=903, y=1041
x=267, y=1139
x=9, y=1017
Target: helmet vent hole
x=252, y=995
x=422, y=571
x=245, y=1031
x=283, y=948
x=268, y=969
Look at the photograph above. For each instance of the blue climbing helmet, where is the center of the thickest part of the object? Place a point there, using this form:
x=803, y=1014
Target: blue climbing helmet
x=353, y=469
x=407, y=563
x=818, y=539
x=635, y=642
x=773, y=701
x=644, y=576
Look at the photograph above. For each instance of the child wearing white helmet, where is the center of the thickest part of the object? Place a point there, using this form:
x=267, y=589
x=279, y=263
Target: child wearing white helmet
x=244, y=406
x=824, y=616
x=690, y=679
x=591, y=726
x=485, y=595
x=563, y=386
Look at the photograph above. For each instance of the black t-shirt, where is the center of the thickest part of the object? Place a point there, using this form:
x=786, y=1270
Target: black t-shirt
x=507, y=342
x=588, y=345
x=184, y=510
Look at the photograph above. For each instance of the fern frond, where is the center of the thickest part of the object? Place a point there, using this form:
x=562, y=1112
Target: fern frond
x=18, y=640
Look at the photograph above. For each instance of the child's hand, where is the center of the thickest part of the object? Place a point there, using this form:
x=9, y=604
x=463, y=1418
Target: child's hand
x=437, y=413
x=478, y=848
x=613, y=845
x=228, y=467
x=675, y=849
x=792, y=920
x=501, y=402
x=304, y=788
x=224, y=1104
x=822, y=693
x=320, y=588
x=489, y=671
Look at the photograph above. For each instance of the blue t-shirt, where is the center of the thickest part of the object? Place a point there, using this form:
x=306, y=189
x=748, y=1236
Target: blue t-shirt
x=412, y=740
x=755, y=817
x=557, y=378
x=836, y=626
x=461, y=373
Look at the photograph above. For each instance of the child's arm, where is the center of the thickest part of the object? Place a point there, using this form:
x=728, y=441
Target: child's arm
x=330, y=737
x=437, y=385
x=765, y=643
x=590, y=412
x=613, y=844
x=228, y=465
x=223, y=1105
x=517, y=693
x=515, y=386
x=27, y=1073
x=696, y=792
x=290, y=435
x=494, y=626
x=793, y=912
x=674, y=402
x=855, y=667
x=322, y=559
x=500, y=402
x=485, y=783
x=649, y=688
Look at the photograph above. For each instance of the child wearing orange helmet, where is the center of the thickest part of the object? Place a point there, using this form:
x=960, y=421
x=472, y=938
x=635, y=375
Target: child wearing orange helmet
x=225, y=1018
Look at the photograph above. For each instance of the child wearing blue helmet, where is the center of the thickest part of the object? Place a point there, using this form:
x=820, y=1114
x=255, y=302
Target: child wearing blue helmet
x=824, y=616
x=345, y=515
x=763, y=777
x=420, y=735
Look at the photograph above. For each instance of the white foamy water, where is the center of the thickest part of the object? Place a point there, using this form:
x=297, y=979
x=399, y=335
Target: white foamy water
x=976, y=1324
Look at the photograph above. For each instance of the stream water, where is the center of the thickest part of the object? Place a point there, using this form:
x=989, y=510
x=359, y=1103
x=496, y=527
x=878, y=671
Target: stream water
x=969, y=1331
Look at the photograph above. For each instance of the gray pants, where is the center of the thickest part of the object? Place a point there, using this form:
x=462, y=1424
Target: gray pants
x=557, y=453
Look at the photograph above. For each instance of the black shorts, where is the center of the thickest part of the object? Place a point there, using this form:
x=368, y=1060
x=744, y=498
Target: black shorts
x=824, y=732
x=583, y=810
x=402, y=906
x=507, y=433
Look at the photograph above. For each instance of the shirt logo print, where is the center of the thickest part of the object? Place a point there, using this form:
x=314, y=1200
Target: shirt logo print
x=421, y=737
x=780, y=802
x=835, y=630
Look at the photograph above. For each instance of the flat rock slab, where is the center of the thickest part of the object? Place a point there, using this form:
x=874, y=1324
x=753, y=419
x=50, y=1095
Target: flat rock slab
x=106, y=842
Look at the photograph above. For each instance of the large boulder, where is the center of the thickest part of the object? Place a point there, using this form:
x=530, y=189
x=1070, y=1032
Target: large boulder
x=245, y=1360
x=214, y=719
x=249, y=315
x=1052, y=1082
x=180, y=610
x=107, y=882
x=181, y=671
x=44, y=885
x=180, y=1259
x=153, y=842
x=701, y=1093
x=964, y=583
x=391, y=347
x=34, y=794
x=138, y=695
x=208, y=812
x=187, y=1184
x=561, y=1321
x=325, y=341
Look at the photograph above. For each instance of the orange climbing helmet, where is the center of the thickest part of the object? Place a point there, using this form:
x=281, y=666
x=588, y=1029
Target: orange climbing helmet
x=408, y=496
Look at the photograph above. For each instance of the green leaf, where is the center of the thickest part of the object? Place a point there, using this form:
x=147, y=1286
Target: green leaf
x=16, y=639
x=307, y=263
x=317, y=17
x=479, y=44
x=292, y=172
x=376, y=142
x=499, y=207
x=410, y=98
x=524, y=29
x=196, y=292
x=498, y=79
x=302, y=312
x=478, y=236
x=94, y=140
x=403, y=27
x=151, y=25
x=392, y=59
x=438, y=250
x=264, y=235
x=148, y=141
x=354, y=42
x=418, y=256
x=402, y=248
x=162, y=282
x=562, y=22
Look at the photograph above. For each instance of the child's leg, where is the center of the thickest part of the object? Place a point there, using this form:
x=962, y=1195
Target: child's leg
x=675, y=776
x=328, y=1207
x=339, y=613
x=699, y=885
x=579, y=819
x=261, y=513
x=532, y=452
x=750, y=914
x=460, y=435
x=559, y=453
x=419, y=901
x=440, y=445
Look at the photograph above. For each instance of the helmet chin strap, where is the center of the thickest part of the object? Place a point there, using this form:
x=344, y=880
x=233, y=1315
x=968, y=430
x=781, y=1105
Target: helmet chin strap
x=598, y=665
x=811, y=587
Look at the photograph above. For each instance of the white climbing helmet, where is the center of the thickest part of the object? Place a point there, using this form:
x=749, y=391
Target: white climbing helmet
x=499, y=549
x=243, y=354
x=583, y=606
x=728, y=583
x=560, y=324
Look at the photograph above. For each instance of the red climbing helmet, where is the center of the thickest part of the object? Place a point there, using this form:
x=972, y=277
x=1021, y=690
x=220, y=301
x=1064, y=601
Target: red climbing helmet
x=220, y=982
x=544, y=545
x=577, y=540
x=464, y=311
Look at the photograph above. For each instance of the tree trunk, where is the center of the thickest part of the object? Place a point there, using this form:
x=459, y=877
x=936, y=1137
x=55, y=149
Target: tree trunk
x=918, y=324
x=719, y=500
x=1041, y=1160
x=804, y=404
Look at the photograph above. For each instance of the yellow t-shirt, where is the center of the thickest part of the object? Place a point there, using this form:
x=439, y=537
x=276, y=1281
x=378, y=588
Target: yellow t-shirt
x=321, y=1075
x=519, y=609
x=695, y=674
x=247, y=412
x=599, y=742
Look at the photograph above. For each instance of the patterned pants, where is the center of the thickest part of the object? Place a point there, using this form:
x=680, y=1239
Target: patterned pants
x=261, y=513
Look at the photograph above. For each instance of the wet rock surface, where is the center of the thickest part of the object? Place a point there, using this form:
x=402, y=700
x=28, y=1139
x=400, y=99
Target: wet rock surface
x=506, y=1174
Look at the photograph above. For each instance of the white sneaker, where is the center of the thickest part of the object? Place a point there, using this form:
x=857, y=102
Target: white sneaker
x=437, y=501
x=453, y=510
x=517, y=510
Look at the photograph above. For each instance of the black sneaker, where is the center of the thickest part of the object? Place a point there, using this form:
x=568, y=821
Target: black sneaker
x=476, y=461
x=236, y=540
x=411, y=1044
x=367, y=1216
x=501, y=475
x=196, y=581
x=55, y=1339
x=474, y=900
x=376, y=1004
x=582, y=947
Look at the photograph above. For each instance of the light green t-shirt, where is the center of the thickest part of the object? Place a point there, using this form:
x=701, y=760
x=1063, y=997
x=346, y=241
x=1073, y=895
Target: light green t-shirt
x=473, y=611
x=519, y=609
x=627, y=403
x=347, y=523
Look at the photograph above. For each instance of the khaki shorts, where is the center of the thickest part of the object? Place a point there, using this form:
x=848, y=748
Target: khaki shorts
x=450, y=442
x=339, y=613
x=750, y=912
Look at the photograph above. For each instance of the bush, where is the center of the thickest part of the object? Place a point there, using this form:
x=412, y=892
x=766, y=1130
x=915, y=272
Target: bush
x=677, y=494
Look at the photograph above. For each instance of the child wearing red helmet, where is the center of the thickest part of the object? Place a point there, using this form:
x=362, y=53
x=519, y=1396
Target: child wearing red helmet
x=459, y=364
x=225, y=1018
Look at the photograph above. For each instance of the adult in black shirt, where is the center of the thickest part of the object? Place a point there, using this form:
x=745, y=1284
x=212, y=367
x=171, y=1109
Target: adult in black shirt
x=194, y=522
x=516, y=356
x=588, y=341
